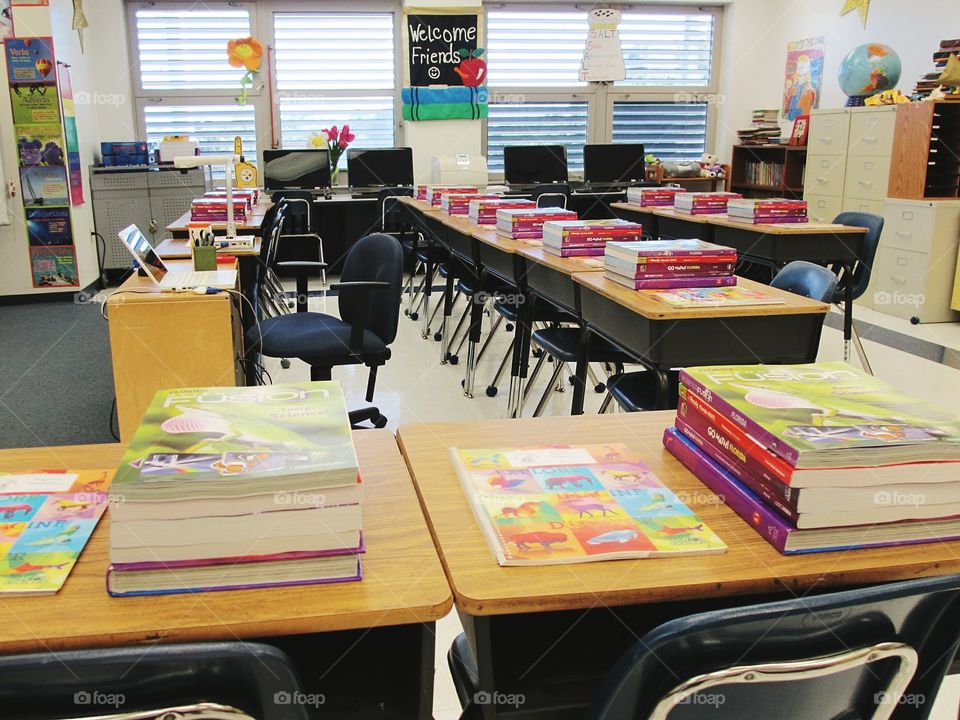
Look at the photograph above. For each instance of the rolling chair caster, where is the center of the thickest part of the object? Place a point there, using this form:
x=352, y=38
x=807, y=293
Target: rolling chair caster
x=285, y=364
x=600, y=387
x=414, y=316
x=437, y=336
x=537, y=352
x=914, y=320
x=492, y=391
x=509, y=327
x=453, y=359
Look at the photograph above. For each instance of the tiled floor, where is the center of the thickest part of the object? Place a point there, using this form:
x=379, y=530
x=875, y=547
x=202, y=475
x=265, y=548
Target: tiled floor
x=413, y=387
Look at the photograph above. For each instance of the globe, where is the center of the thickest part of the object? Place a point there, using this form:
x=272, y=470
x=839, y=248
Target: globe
x=868, y=70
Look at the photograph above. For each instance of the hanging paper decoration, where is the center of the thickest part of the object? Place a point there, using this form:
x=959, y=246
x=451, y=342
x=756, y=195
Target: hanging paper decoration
x=79, y=20
x=861, y=6
x=6, y=20
x=245, y=53
x=603, y=55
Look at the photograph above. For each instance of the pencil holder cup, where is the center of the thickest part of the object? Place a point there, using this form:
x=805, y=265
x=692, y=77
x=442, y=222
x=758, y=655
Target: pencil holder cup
x=204, y=258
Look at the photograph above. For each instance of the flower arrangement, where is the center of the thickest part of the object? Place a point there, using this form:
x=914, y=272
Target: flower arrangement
x=246, y=53
x=335, y=140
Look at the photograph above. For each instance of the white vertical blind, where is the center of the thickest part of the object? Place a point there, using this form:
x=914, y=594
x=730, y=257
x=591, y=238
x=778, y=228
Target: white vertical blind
x=537, y=123
x=187, y=49
x=535, y=48
x=674, y=131
x=667, y=49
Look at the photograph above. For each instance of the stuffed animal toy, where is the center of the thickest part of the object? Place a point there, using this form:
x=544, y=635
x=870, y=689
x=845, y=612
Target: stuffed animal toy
x=710, y=166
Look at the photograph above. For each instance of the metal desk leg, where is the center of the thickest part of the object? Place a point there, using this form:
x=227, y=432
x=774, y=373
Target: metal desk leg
x=521, y=355
x=447, y=312
x=427, y=290
x=580, y=377
x=847, y=309
x=476, y=322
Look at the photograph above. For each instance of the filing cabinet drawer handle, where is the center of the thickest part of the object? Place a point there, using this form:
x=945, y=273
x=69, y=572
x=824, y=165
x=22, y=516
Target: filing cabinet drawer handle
x=826, y=139
x=865, y=182
x=904, y=233
x=823, y=180
x=899, y=280
x=868, y=139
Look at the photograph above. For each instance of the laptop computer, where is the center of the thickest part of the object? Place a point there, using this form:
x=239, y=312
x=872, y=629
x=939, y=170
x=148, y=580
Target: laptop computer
x=153, y=266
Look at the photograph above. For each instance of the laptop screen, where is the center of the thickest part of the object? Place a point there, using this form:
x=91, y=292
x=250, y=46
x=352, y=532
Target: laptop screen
x=144, y=253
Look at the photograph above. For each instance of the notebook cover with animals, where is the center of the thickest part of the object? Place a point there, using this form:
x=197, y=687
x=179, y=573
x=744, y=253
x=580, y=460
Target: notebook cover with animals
x=46, y=518
x=563, y=504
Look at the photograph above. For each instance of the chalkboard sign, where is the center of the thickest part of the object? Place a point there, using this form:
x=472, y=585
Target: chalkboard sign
x=443, y=50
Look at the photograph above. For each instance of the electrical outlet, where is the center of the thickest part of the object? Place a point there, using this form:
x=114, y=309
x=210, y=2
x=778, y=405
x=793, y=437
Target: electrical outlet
x=11, y=188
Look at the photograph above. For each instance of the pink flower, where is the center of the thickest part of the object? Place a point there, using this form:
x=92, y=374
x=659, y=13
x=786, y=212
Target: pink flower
x=332, y=133
x=346, y=137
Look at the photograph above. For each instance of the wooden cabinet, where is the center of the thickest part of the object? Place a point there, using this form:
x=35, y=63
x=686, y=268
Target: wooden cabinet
x=768, y=170
x=926, y=151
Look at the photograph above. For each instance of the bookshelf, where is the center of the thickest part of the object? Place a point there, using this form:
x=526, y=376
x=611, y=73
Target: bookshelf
x=768, y=170
x=926, y=151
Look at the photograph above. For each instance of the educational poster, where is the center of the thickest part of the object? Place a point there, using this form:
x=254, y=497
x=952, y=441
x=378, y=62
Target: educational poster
x=70, y=133
x=43, y=154
x=54, y=266
x=603, y=56
x=446, y=69
x=6, y=20
x=803, y=77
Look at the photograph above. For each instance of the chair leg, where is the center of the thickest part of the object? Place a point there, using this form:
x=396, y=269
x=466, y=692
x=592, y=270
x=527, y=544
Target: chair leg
x=489, y=338
x=604, y=406
x=492, y=387
x=557, y=372
x=371, y=382
x=860, y=351
x=320, y=373
x=454, y=356
x=531, y=381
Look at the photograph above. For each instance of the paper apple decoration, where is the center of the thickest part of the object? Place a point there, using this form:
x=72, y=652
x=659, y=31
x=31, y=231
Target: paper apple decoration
x=472, y=68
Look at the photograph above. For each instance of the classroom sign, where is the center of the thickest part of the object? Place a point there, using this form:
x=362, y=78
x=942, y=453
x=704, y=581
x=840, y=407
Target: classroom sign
x=42, y=158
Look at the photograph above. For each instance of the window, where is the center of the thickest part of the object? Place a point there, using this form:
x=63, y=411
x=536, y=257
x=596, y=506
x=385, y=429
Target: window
x=537, y=123
x=666, y=129
x=335, y=69
x=667, y=49
x=535, y=48
x=185, y=86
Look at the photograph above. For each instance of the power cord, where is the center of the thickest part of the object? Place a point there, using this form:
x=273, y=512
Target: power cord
x=101, y=259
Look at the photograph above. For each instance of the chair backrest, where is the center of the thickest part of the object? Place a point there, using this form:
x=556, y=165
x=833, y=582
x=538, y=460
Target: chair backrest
x=390, y=213
x=248, y=676
x=911, y=628
x=804, y=278
x=299, y=219
x=864, y=265
x=552, y=195
x=377, y=258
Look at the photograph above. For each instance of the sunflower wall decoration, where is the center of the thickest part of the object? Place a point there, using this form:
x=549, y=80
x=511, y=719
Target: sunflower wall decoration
x=245, y=53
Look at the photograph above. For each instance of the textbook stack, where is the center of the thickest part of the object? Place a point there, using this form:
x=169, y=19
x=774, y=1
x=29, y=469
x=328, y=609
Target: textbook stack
x=703, y=203
x=239, y=487
x=434, y=193
x=773, y=210
x=527, y=223
x=484, y=212
x=206, y=209
x=250, y=194
x=653, y=197
x=931, y=81
x=459, y=203
x=822, y=456
x=665, y=264
x=764, y=130
x=581, y=238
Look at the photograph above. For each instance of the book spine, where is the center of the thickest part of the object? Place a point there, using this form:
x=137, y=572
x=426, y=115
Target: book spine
x=573, y=251
x=648, y=256
x=734, y=460
x=751, y=509
x=672, y=283
x=665, y=270
x=750, y=427
x=585, y=240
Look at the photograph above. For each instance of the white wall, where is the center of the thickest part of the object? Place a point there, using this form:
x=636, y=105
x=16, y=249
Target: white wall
x=55, y=21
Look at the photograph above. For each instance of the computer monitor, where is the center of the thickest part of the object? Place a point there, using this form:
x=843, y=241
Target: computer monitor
x=296, y=169
x=534, y=164
x=380, y=167
x=613, y=163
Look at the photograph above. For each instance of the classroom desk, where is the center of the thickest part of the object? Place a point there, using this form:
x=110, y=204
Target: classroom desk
x=663, y=337
x=179, y=249
x=569, y=623
x=165, y=339
x=179, y=228
x=372, y=639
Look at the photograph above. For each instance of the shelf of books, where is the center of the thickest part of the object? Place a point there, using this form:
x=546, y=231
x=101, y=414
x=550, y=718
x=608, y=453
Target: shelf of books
x=768, y=170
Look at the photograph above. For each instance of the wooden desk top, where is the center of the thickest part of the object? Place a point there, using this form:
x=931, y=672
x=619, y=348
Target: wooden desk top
x=403, y=582
x=808, y=228
x=643, y=304
x=138, y=288
x=179, y=248
x=253, y=222
x=421, y=205
x=566, y=265
x=669, y=212
x=750, y=565
x=634, y=207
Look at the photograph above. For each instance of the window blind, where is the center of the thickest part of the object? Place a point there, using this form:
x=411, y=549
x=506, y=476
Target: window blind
x=537, y=123
x=186, y=49
x=675, y=131
x=667, y=49
x=213, y=126
x=370, y=119
x=535, y=48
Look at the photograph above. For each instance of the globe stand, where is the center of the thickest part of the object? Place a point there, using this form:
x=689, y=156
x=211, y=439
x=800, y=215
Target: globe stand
x=855, y=101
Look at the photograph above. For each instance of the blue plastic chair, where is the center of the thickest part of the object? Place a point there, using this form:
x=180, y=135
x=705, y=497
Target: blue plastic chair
x=257, y=679
x=861, y=269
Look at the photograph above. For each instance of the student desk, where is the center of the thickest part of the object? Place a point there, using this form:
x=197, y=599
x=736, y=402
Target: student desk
x=179, y=249
x=179, y=228
x=552, y=632
x=370, y=641
x=665, y=222
x=170, y=339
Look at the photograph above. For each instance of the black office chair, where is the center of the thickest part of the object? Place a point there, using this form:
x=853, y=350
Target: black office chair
x=552, y=195
x=391, y=212
x=861, y=270
x=653, y=390
x=299, y=231
x=369, y=301
x=257, y=679
x=872, y=652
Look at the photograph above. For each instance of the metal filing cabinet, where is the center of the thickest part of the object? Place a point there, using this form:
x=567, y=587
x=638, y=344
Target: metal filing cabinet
x=151, y=198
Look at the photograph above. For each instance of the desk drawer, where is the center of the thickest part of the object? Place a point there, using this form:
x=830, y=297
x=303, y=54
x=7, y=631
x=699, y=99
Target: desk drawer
x=828, y=133
x=871, y=133
x=825, y=175
x=867, y=177
x=908, y=227
x=822, y=208
x=901, y=282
